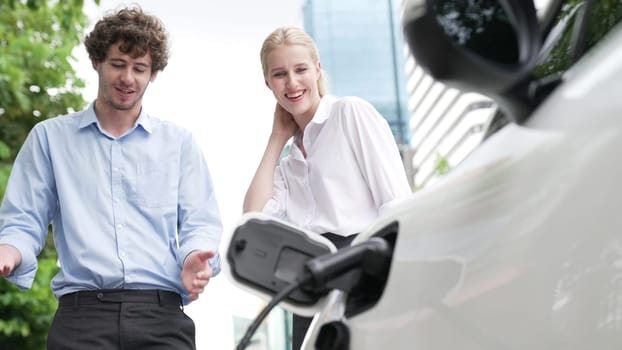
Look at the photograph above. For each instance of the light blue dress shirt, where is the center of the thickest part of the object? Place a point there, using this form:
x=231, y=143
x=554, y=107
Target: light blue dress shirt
x=125, y=211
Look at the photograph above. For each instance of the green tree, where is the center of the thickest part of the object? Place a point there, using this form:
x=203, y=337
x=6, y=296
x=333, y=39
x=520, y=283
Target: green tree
x=25, y=316
x=5, y=168
x=37, y=81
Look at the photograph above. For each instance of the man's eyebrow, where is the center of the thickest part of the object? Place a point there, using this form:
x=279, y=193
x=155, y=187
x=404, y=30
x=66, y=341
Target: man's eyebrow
x=119, y=59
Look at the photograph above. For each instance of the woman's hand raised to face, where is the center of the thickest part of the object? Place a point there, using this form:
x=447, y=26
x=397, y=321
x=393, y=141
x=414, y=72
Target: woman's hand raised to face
x=284, y=124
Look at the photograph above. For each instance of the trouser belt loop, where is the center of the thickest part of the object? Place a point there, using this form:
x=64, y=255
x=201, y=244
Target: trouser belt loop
x=76, y=299
x=160, y=298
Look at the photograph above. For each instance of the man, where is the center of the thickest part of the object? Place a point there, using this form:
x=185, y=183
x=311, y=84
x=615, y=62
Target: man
x=130, y=199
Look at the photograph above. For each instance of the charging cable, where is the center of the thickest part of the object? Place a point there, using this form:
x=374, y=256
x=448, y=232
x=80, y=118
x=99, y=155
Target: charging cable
x=372, y=256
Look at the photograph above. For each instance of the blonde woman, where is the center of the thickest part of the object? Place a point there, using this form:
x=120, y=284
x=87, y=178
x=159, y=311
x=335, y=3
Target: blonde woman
x=343, y=168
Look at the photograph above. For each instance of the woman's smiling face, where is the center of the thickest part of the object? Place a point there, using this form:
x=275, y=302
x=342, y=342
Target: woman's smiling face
x=293, y=75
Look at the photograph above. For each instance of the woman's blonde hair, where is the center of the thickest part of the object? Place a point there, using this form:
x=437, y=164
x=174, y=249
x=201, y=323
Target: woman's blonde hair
x=291, y=36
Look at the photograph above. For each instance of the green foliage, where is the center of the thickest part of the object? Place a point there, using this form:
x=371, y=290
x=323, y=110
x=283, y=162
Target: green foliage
x=603, y=17
x=5, y=169
x=37, y=79
x=25, y=316
x=606, y=15
x=442, y=165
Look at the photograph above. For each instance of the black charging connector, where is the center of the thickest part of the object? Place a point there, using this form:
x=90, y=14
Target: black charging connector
x=342, y=269
x=339, y=270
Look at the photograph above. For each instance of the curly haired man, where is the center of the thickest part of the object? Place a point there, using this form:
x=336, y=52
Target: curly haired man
x=130, y=199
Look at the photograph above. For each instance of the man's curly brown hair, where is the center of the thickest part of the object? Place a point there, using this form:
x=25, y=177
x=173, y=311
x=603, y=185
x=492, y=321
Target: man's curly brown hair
x=138, y=33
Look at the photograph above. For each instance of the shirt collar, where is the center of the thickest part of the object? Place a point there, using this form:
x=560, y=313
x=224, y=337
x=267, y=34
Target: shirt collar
x=323, y=109
x=89, y=117
x=320, y=117
x=321, y=114
x=145, y=121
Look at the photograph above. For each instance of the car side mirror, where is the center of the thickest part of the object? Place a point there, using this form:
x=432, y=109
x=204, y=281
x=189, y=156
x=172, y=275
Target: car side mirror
x=486, y=46
x=265, y=255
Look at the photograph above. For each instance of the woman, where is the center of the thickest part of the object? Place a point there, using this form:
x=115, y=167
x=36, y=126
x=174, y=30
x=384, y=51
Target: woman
x=343, y=168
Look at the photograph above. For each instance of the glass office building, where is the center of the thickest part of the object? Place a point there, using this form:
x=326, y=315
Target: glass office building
x=363, y=54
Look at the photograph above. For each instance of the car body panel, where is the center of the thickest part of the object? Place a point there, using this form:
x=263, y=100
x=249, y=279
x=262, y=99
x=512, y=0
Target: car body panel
x=521, y=245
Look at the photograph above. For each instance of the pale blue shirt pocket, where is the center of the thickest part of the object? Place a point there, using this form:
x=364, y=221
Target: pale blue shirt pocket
x=155, y=184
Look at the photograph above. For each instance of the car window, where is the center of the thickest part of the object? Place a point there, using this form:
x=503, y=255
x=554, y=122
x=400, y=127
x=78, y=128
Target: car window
x=579, y=26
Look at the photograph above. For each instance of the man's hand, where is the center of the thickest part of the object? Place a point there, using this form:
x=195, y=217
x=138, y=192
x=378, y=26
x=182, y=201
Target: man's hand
x=10, y=257
x=196, y=272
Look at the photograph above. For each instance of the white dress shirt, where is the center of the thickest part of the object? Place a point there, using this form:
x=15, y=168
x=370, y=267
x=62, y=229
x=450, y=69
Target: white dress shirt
x=352, y=173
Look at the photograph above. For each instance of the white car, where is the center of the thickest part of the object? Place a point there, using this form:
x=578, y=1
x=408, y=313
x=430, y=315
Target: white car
x=520, y=245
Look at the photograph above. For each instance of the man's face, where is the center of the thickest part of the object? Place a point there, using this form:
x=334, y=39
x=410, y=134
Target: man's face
x=123, y=80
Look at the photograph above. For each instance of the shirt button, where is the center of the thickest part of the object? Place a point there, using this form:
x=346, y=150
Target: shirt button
x=119, y=226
